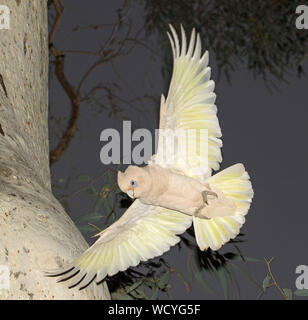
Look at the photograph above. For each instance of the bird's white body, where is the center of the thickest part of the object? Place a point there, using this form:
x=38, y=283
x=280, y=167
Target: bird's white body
x=176, y=191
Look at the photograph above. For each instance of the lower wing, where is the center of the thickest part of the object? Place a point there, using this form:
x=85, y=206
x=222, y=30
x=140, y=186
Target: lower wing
x=143, y=232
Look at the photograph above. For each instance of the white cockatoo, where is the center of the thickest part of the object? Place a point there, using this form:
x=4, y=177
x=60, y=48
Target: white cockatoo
x=171, y=195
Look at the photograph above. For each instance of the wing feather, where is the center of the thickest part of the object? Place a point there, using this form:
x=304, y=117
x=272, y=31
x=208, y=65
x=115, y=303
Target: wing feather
x=143, y=232
x=235, y=184
x=190, y=105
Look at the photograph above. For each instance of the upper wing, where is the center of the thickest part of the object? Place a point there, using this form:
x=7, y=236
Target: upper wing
x=143, y=232
x=190, y=106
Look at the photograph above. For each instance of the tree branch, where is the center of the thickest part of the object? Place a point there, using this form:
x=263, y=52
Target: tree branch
x=105, y=54
x=55, y=27
x=275, y=283
x=75, y=108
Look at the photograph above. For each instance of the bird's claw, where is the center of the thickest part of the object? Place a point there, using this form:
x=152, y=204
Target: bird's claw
x=205, y=194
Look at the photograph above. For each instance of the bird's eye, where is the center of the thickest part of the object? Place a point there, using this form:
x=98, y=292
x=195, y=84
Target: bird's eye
x=133, y=183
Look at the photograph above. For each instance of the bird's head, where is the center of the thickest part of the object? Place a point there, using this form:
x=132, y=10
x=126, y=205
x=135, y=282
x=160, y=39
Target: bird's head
x=135, y=181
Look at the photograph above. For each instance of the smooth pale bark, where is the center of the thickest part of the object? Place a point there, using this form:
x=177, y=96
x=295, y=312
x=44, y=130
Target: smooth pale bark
x=35, y=232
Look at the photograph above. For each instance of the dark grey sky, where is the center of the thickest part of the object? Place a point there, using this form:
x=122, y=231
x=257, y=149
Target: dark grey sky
x=267, y=132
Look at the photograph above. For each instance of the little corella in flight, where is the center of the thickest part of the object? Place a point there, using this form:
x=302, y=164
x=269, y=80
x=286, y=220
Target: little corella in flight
x=171, y=195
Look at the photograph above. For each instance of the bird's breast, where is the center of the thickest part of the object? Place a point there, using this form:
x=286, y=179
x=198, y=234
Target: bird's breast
x=174, y=191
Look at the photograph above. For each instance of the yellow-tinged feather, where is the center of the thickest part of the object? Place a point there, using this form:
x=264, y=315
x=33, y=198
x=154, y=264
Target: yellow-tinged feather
x=234, y=183
x=190, y=103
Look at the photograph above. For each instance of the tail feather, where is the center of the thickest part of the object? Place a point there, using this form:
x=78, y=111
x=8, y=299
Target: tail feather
x=235, y=184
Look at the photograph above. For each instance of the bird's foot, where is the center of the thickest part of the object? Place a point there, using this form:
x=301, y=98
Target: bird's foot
x=207, y=193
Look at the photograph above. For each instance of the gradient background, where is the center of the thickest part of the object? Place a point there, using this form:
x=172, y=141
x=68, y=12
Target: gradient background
x=266, y=131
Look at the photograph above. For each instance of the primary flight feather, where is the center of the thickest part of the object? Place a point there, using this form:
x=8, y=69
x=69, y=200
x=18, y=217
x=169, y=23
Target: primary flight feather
x=171, y=195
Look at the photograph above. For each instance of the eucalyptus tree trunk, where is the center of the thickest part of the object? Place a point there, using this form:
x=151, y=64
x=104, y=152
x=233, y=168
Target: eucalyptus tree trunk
x=35, y=232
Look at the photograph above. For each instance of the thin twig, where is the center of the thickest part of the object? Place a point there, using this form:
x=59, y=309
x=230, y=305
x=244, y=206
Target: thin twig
x=94, y=226
x=56, y=25
x=106, y=57
x=91, y=183
x=72, y=124
x=84, y=52
x=110, y=39
x=275, y=283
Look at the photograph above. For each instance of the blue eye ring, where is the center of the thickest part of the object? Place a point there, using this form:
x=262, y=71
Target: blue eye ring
x=134, y=183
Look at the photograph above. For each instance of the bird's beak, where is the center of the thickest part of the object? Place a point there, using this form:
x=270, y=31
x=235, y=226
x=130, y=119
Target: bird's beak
x=130, y=193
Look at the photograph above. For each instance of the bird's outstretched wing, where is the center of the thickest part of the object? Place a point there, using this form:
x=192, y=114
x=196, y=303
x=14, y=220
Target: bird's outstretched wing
x=143, y=232
x=190, y=106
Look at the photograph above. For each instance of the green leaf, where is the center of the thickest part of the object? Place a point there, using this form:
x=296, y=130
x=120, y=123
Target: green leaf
x=246, y=275
x=223, y=279
x=91, y=217
x=84, y=177
x=111, y=219
x=155, y=294
x=288, y=293
x=138, y=293
x=180, y=276
x=234, y=283
x=163, y=281
x=92, y=190
x=189, y=269
x=205, y=285
x=97, y=204
x=246, y=259
x=266, y=282
x=107, y=204
x=106, y=188
x=85, y=228
x=134, y=286
x=301, y=293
